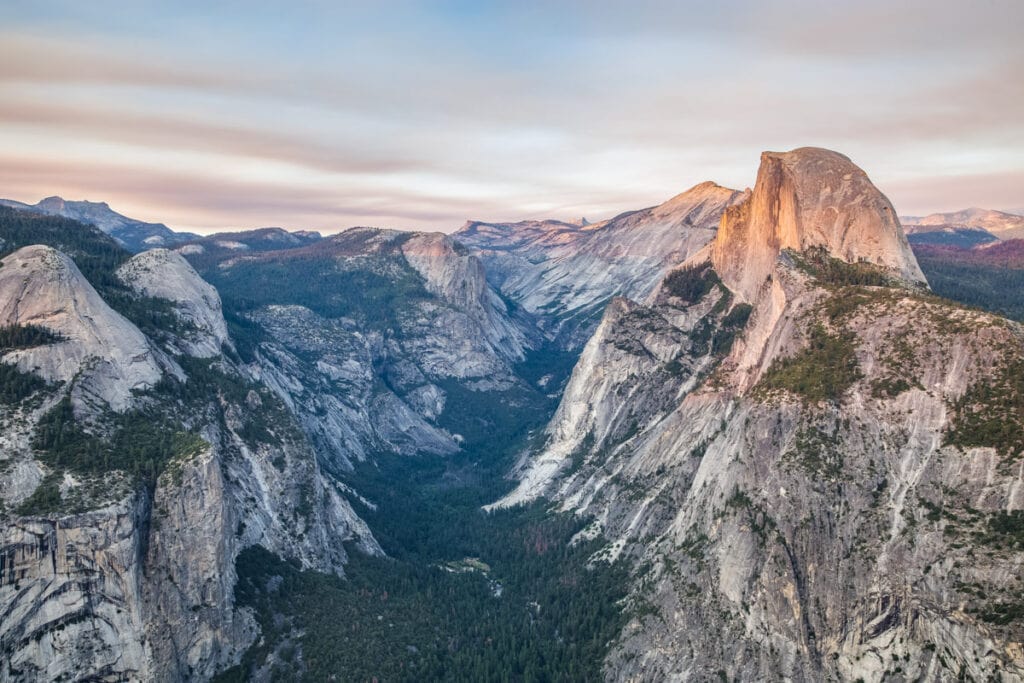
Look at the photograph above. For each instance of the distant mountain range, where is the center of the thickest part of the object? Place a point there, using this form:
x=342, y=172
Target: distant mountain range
x=1000, y=224
x=133, y=235
x=536, y=254
x=566, y=273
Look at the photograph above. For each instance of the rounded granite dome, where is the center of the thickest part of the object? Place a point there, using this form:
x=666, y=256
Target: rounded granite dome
x=809, y=197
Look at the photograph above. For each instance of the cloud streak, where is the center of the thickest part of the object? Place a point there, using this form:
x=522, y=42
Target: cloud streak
x=419, y=116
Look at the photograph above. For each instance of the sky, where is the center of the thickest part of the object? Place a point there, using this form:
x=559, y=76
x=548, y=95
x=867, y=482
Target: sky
x=421, y=115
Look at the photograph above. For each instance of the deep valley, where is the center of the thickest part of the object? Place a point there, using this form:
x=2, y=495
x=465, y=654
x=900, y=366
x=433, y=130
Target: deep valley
x=741, y=435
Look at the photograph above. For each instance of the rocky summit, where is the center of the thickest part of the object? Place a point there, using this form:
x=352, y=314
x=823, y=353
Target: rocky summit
x=736, y=436
x=804, y=199
x=107, y=356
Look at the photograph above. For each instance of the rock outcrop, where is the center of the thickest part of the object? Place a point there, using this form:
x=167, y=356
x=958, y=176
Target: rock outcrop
x=166, y=275
x=108, y=576
x=142, y=588
x=106, y=355
x=232, y=496
x=454, y=274
x=808, y=198
x=70, y=596
x=328, y=372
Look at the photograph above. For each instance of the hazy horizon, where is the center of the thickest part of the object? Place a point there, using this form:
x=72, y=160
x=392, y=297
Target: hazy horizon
x=205, y=231
x=406, y=116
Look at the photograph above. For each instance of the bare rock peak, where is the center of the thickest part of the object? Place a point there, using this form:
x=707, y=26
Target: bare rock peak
x=809, y=197
x=706, y=187
x=57, y=204
x=708, y=195
x=166, y=274
x=51, y=204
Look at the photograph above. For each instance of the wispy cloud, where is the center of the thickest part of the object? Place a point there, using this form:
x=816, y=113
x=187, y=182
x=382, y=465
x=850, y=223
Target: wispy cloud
x=161, y=130
x=421, y=115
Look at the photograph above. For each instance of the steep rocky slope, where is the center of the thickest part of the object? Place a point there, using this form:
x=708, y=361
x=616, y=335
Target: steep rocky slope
x=135, y=467
x=131, y=234
x=457, y=277
x=566, y=274
x=817, y=468
x=367, y=334
x=166, y=275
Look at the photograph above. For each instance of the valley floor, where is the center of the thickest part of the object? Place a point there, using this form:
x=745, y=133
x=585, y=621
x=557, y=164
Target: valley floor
x=463, y=594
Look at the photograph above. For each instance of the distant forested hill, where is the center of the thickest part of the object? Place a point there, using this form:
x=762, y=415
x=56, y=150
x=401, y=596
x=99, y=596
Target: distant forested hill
x=989, y=277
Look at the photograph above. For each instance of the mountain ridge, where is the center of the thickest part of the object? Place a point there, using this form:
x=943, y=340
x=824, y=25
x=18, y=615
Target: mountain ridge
x=769, y=464
x=1002, y=224
x=132, y=234
x=566, y=274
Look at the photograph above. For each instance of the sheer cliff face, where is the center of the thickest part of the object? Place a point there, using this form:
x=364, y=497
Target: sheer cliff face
x=809, y=198
x=809, y=487
x=566, y=274
x=109, y=578
x=451, y=272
